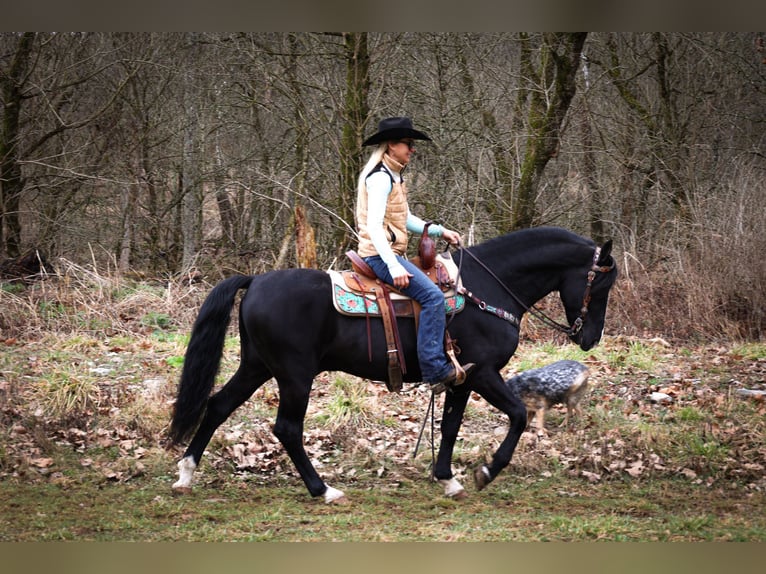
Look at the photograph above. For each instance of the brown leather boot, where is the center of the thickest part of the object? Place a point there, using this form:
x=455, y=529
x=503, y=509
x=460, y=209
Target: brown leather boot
x=451, y=380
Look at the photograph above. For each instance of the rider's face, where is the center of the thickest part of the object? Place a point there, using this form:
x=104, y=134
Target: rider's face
x=401, y=150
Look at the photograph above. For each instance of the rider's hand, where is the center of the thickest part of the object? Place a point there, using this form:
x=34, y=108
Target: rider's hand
x=452, y=237
x=402, y=281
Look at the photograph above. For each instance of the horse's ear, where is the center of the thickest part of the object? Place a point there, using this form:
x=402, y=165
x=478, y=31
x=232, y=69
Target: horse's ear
x=606, y=253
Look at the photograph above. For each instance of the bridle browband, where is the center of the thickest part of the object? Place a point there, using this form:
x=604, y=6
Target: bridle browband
x=569, y=330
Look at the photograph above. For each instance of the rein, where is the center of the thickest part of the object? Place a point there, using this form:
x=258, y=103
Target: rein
x=570, y=330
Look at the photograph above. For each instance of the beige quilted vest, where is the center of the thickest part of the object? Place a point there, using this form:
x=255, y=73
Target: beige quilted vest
x=394, y=220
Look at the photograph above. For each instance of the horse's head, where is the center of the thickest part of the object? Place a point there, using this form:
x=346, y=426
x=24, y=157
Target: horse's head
x=585, y=293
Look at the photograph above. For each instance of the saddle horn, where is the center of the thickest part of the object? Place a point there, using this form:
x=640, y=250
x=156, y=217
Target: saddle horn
x=427, y=249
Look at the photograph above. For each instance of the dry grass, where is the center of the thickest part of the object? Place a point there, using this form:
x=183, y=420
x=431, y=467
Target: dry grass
x=77, y=299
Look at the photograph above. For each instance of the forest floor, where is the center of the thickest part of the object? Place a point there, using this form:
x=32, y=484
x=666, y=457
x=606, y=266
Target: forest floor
x=83, y=455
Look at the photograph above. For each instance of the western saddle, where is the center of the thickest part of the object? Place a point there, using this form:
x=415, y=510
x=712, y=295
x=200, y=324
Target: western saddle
x=387, y=301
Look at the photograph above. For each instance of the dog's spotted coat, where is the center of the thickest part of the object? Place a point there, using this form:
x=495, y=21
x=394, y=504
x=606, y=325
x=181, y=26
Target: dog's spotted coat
x=562, y=382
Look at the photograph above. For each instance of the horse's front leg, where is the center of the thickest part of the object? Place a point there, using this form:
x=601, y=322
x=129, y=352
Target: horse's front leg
x=497, y=393
x=455, y=402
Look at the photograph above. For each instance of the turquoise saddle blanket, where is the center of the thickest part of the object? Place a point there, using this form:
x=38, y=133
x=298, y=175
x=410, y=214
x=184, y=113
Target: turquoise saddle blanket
x=350, y=302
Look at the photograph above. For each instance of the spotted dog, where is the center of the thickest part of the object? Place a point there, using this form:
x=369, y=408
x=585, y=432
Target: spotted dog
x=564, y=382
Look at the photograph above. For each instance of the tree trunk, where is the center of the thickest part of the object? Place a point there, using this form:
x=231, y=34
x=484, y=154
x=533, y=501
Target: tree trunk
x=502, y=151
x=355, y=114
x=556, y=85
x=191, y=206
x=663, y=128
x=302, y=225
x=191, y=210
x=11, y=181
x=593, y=190
x=225, y=207
x=672, y=142
x=129, y=197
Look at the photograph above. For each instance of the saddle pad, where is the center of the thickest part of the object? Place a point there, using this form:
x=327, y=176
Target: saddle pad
x=348, y=302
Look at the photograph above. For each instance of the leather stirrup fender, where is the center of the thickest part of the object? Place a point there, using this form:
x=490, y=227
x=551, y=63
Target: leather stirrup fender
x=393, y=348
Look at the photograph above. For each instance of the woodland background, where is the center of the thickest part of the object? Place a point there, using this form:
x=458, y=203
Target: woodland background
x=175, y=155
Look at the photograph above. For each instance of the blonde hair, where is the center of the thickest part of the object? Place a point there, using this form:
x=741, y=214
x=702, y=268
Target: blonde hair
x=375, y=158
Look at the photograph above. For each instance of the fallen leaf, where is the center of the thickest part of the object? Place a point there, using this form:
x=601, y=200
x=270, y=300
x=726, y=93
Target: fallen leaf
x=591, y=476
x=635, y=469
x=688, y=473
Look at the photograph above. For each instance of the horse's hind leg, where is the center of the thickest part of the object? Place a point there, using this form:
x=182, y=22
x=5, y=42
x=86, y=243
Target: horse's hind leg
x=293, y=402
x=220, y=405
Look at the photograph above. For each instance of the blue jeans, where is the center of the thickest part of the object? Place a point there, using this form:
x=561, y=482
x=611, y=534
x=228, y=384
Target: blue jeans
x=434, y=365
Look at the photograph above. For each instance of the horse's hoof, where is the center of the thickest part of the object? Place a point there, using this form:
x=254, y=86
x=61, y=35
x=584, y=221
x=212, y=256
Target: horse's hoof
x=460, y=495
x=334, y=496
x=181, y=490
x=453, y=489
x=481, y=477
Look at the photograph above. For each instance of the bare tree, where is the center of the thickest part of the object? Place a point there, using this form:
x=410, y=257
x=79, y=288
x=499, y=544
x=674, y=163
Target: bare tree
x=50, y=91
x=12, y=81
x=355, y=114
x=241, y=150
x=553, y=85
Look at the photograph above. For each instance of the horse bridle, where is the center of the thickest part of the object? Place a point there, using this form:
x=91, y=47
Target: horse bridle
x=594, y=268
x=569, y=330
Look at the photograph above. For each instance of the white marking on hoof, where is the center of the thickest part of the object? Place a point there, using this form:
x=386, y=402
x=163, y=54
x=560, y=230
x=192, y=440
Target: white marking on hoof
x=453, y=489
x=334, y=495
x=186, y=468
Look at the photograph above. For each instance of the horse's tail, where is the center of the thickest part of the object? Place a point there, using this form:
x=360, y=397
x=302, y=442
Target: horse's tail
x=203, y=357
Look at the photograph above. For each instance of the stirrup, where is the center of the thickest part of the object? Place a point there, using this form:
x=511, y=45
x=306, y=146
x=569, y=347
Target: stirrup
x=457, y=377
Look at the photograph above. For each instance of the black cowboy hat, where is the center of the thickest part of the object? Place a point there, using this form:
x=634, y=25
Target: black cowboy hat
x=390, y=129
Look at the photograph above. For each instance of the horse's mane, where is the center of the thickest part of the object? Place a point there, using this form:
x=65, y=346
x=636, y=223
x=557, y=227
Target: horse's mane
x=529, y=242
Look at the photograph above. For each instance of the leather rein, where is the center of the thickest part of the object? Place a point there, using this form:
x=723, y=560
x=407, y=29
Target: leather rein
x=569, y=330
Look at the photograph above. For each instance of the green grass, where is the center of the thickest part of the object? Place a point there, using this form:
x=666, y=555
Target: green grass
x=636, y=355
x=157, y=320
x=750, y=351
x=545, y=353
x=512, y=510
x=347, y=404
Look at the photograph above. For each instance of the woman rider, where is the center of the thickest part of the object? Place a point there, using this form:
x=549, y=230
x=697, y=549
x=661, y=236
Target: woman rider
x=383, y=219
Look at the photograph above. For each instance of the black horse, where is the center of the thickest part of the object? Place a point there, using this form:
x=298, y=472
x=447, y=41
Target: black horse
x=290, y=331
